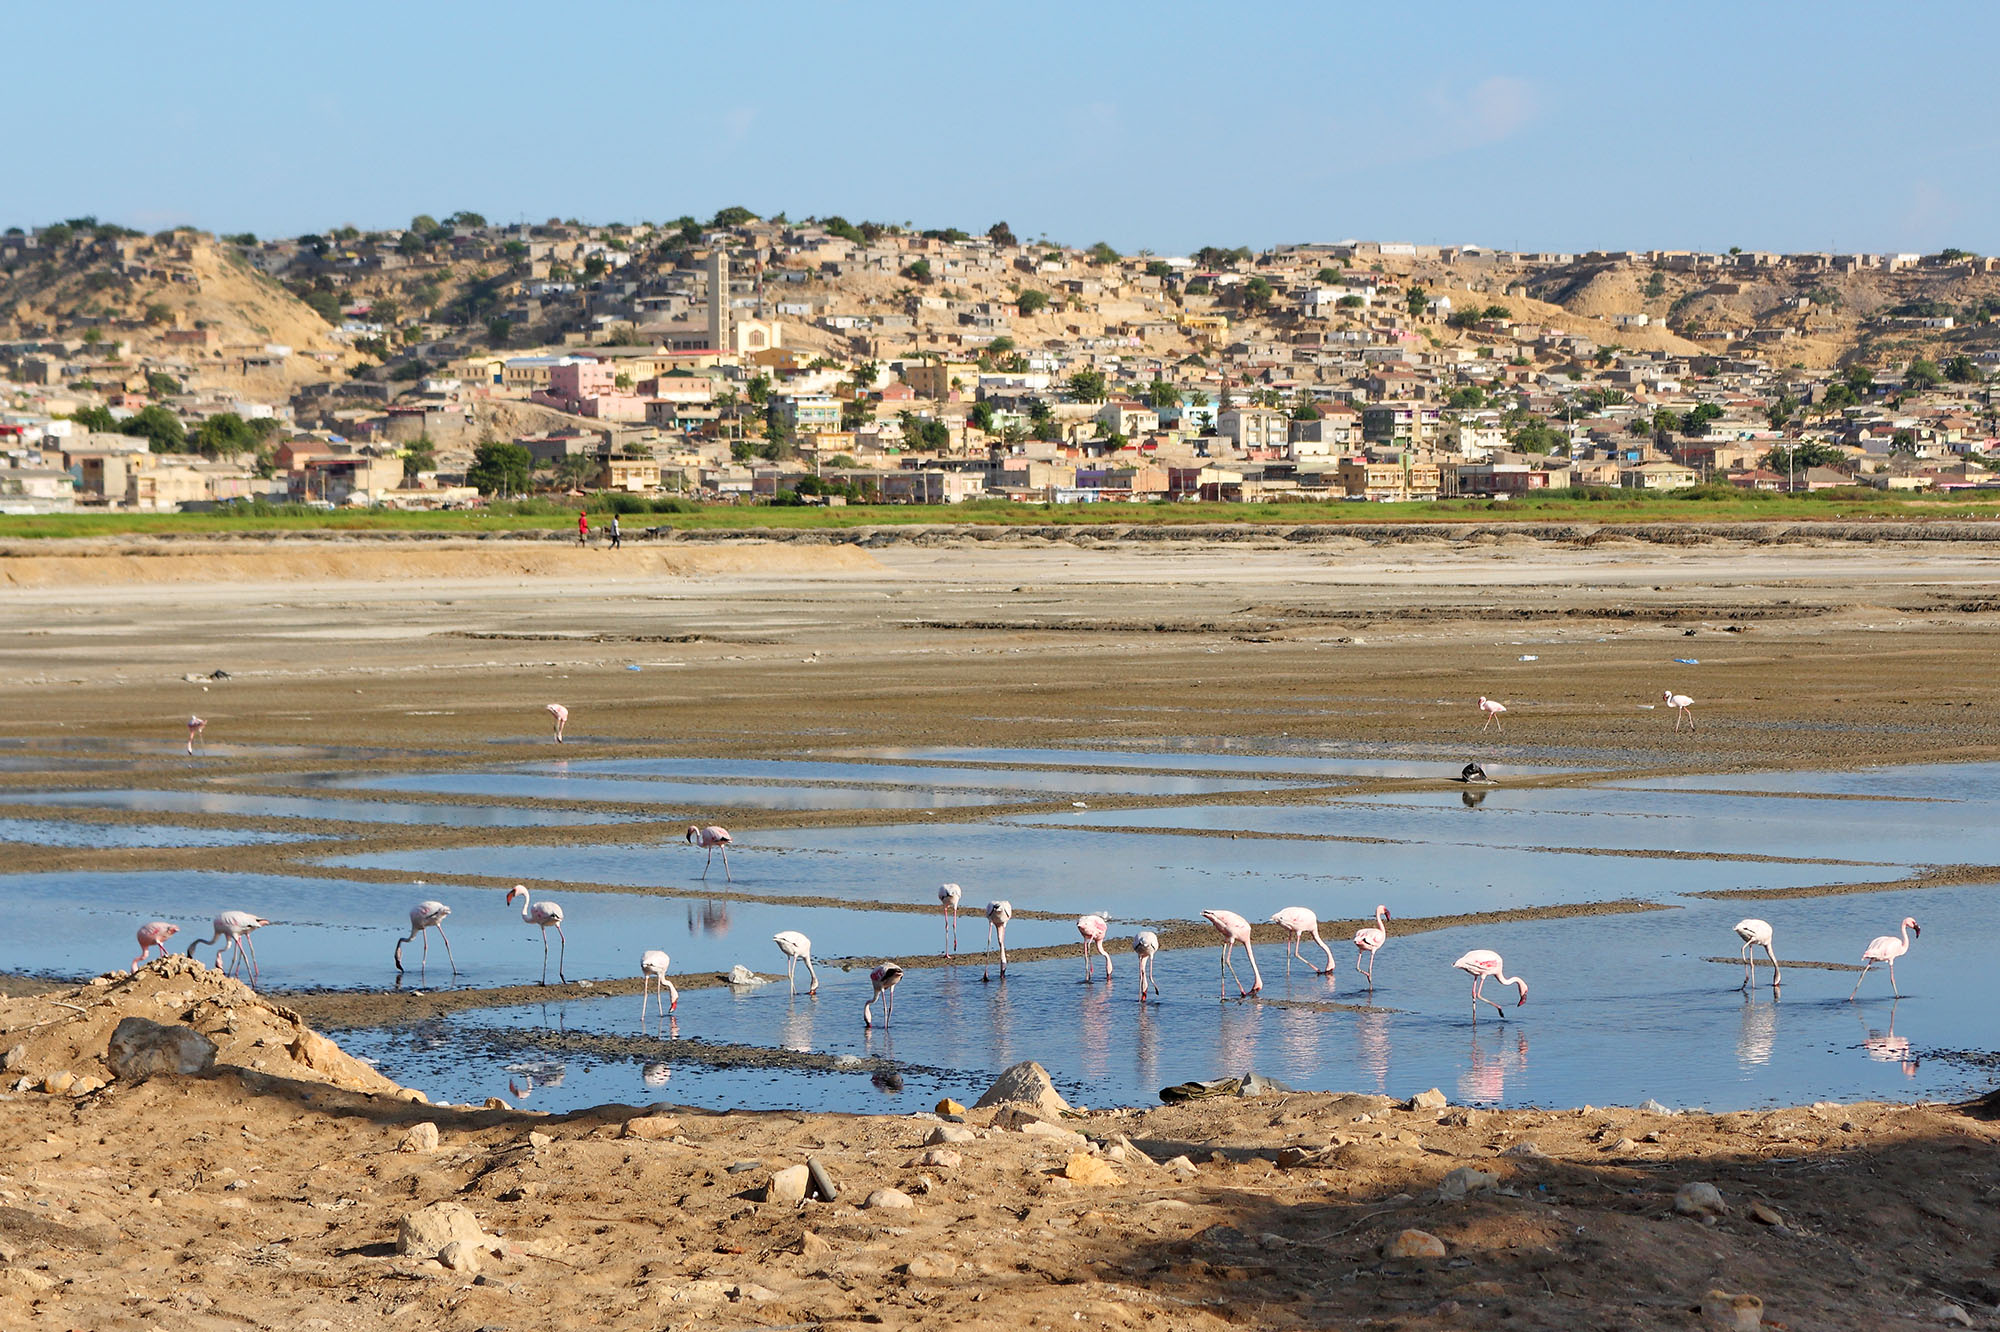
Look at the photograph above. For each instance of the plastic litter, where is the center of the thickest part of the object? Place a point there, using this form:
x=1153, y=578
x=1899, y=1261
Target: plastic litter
x=1687, y=661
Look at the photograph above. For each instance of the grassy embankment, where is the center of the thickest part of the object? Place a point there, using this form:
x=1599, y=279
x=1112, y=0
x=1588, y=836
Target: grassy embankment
x=1706, y=505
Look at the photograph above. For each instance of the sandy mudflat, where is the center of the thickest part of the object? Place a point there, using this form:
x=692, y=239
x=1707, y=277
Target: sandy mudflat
x=271, y=1198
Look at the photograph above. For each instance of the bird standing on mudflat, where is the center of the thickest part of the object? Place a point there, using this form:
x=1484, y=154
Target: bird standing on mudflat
x=1680, y=703
x=195, y=727
x=796, y=948
x=561, y=715
x=1492, y=707
x=233, y=927
x=425, y=917
x=711, y=838
x=153, y=934
x=653, y=975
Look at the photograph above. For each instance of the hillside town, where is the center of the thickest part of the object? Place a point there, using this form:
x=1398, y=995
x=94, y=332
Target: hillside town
x=752, y=360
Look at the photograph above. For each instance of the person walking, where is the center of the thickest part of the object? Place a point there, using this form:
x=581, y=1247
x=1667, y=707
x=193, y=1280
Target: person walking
x=582, y=528
x=614, y=531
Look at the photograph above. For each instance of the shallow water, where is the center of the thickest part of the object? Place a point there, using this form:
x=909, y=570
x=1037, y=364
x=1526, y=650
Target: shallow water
x=314, y=807
x=1290, y=765
x=1620, y=1009
x=56, y=832
x=673, y=800
x=998, y=779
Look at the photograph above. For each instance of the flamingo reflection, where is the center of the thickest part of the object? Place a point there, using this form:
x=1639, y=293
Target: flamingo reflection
x=1485, y=1079
x=1757, y=1030
x=656, y=1073
x=1371, y=1038
x=1889, y=1048
x=713, y=918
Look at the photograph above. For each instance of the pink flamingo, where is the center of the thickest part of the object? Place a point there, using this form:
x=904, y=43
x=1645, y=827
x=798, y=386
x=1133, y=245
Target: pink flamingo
x=195, y=727
x=948, y=895
x=1886, y=948
x=710, y=838
x=1368, y=941
x=653, y=974
x=884, y=978
x=1093, y=928
x=997, y=916
x=798, y=948
x=153, y=934
x=234, y=926
x=1680, y=703
x=425, y=917
x=1146, y=943
x=542, y=915
x=1755, y=934
x=1492, y=707
x=561, y=714
x=1235, y=930
x=1300, y=923
x=1483, y=965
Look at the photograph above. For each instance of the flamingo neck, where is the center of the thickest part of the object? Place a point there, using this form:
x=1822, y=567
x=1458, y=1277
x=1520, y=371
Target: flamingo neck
x=1506, y=980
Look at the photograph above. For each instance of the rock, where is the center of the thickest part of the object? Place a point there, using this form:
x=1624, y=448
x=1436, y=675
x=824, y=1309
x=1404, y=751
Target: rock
x=921, y=1185
x=1094, y=1172
x=944, y=1158
x=460, y=1257
x=1699, y=1200
x=1653, y=1107
x=1429, y=1100
x=650, y=1128
x=1183, y=1168
x=410, y=1094
x=750, y=1290
x=1294, y=1158
x=1036, y=1128
x=424, y=1234
x=1531, y=1150
x=823, y=1186
x=1622, y=1145
x=421, y=1138
x=495, y=1103
x=85, y=1085
x=1732, y=1313
x=931, y=1267
x=950, y=1107
x=25, y=1280
x=949, y=1133
x=787, y=1185
x=16, y=1055
x=1765, y=1214
x=338, y=1067
x=1413, y=1244
x=1026, y=1082
x=1465, y=1180
x=888, y=1199
x=704, y=1291
x=812, y=1246
x=742, y=975
x=55, y=1084
x=143, y=1049
x=1948, y=1312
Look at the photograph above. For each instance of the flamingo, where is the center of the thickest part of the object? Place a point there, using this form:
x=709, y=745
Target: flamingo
x=1756, y=933
x=1235, y=930
x=1492, y=707
x=799, y=949
x=195, y=727
x=1146, y=943
x=1299, y=923
x=1483, y=965
x=153, y=934
x=561, y=715
x=1680, y=703
x=997, y=916
x=653, y=973
x=948, y=895
x=425, y=917
x=543, y=914
x=1368, y=941
x=1886, y=948
x=1093, y=929
x=884, y=979
x=710, y=838
x=234, y=926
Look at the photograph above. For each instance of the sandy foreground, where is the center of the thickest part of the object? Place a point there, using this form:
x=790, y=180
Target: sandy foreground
x=270, y=1193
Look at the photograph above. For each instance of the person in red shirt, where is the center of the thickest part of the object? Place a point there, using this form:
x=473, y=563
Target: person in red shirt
x=582, y=527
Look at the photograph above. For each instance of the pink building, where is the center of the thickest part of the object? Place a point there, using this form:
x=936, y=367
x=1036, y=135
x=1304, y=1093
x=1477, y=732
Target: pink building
x=580, y=379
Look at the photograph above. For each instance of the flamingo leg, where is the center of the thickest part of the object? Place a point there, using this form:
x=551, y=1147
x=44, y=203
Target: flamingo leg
x=560, y=956
x=645, y=996
x=1749, y=967
x=706, y=863
x=1369, y=970
x=725, y=866
x=1858, y=979
x=1892, y=979
x=447, y=949
x=1003, y=949
x=545, y=955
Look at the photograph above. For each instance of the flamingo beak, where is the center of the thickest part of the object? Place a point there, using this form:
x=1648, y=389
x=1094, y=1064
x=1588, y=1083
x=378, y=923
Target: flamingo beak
x=1917, y=930
x=1522, y=1000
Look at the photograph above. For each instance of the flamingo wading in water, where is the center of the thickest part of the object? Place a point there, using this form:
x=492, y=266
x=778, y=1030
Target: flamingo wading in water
x=233, y=927
x=1368, y=941
x=425, y=917
x=653, y=975
x=948, y=895
x=884, y=978
x=153, y=934
x=1492, y=707
x=1093, y=928
x=1235, y=930
x=1300, y=923
x=1886, y=948
x=1146, y=943
x=543, y=914
x=195, y=727
x=711, y=838
x=561, y=715
x=1755, y=934
x=1483, y=965
x=997, y=916
x=798, y=948
x=1680, y=703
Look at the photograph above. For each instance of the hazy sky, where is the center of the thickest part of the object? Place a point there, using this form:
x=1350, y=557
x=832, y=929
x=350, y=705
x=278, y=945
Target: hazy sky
x=1165, y=126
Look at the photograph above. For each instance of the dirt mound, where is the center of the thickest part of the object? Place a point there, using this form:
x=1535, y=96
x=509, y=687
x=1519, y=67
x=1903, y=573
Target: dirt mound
x=57, y=1041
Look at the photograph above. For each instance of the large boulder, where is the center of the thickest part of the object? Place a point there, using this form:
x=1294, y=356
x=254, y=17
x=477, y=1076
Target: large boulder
x=1025, y=1083
x=142, y=1049
x=425, y=1234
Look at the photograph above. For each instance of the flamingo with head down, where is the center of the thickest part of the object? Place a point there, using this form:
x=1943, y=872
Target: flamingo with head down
x=425, y=917
x=153, y=934
x=997, y=916
x=232, y=929
x=711, y=838
x=653, y=976
x=561, y=716
x=1235, y=930
x=885, y=979
x=948, y=895
x=1093, y=928
x=796, y=948
x=1484, y=965
x=1300, y=923
x=1146, y=943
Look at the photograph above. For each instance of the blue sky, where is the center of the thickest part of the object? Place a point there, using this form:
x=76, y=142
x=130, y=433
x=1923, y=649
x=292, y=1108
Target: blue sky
x=1165, y=126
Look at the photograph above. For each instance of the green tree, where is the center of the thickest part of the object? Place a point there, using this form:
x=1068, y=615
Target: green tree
x=1088, y=386
x=1416, y=301
x=981, y=416
x=1923, y=374
x=162, y=429
x=1696, y=422
x=1031, y=302
x=1001, y=234
x=733, y=216
x=497, y=330
x=1961, y=370
x=160, y=384
x=1780, y=412
x=1256, y=295
x=223, y=435
x=1656, y=285
x=1470, y=398
x=159, y=312
x=500, y=469
x=920, y=271
x=758, y=390
x=1810, y=453
x=1102, y=254
x=841, y=227
x=1860, y=379
x=1162, y=395
x=856, y=412
x=1159, y=268
x=97, y=420
x=418, y=456
x=574, y=471
x=1533, y=434
x=1327, y=275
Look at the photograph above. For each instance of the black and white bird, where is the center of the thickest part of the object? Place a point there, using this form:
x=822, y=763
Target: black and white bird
x=1472, y=772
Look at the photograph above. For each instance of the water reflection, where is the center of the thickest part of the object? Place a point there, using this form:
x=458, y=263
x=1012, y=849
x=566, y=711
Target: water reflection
x=1756, y=1030
x=710, y=917
x=656, y=1073
x=1371, y=1044
x=1472, y=799
x=1146, y=1048
x=796, y=1031
x=1887, y=1047
x=1486, y=1071
x=667, y=1026
x=526, y=1076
